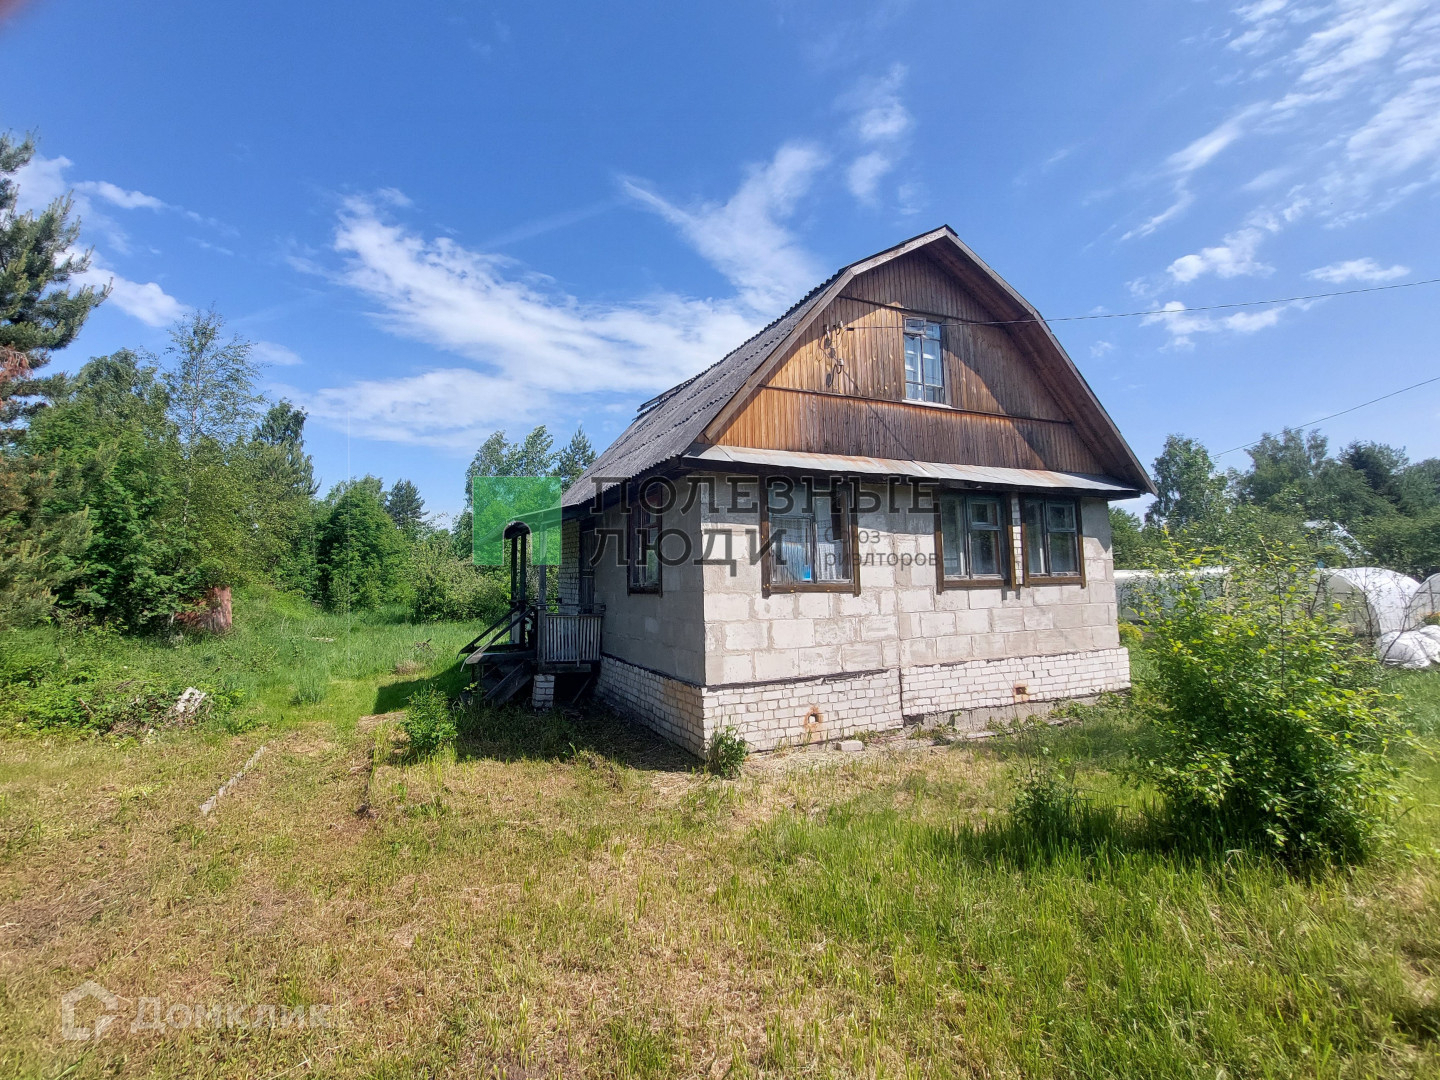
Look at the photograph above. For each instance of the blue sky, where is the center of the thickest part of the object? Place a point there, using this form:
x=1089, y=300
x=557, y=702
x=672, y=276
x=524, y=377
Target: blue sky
x=442, y=218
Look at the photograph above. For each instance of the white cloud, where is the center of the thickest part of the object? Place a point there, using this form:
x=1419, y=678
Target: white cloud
x=1183, y=201
x=1366, y=269
x=1403, y=137
x=118, y=196
x=1353, y=126
x=532, y=345
x=744, y=238
x=1182, y=324
x=448, y=407
x=1102, y=348
x=866, y=172
x=881, y=123
x=880, y=115
x=1235, y=257
x=268, y=352
x=42, y=180
x=145, y=301
x=1209, y=146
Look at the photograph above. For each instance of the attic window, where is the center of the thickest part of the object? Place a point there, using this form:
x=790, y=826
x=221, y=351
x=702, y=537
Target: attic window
x=924, y=362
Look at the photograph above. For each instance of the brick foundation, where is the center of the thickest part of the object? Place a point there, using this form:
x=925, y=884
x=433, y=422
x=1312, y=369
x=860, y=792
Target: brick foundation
x=940, y=689
x=798, y=711
x=670, y=707
x=792, y=712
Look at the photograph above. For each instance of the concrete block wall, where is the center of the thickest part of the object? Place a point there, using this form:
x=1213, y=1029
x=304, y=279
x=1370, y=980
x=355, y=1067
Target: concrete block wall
x=898, y=619
x=662, y=632
x=711, y=651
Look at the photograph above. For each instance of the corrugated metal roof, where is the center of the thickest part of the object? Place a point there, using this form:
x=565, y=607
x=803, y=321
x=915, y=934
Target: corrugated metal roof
x=668, y=427
x=845, y=465
x=669, y=424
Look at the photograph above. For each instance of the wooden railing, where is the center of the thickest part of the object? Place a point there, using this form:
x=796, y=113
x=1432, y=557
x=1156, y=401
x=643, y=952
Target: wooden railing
x=569, y=639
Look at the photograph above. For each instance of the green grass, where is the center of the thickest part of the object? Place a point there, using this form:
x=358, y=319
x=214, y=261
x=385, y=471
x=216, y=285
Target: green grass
x=284, y=662
x=562, y=895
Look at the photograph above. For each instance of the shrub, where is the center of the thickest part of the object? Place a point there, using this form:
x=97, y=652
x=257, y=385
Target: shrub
x=1269, y=719
x=726, y=754
x=1131, y=636
x=429, y=722
x=446, y=587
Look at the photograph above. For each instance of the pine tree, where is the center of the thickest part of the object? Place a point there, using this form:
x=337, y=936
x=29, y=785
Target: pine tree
x=577, y=456
x=42, y=540
x=406, y=508
x=38, y=314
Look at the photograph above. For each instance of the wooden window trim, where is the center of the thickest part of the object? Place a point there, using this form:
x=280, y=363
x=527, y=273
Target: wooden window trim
x=944, y=367
x=1007, y=533
x=768, y=587
x=1054, y=579
x=632, y=554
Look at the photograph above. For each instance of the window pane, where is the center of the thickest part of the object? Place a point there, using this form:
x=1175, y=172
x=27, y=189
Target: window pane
x=932, y=330
x=790, y=556
x=1060, y=516
x=931, y=355
x=985, y=512
x=952, y=534
x=1063, y=558
x=985, y=554
x=1035, y=537
x=912, y=366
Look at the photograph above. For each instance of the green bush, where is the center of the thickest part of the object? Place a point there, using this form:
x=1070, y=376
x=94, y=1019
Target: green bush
x=1271, y=726
x=726, y=753
x=429, y=722
x=446, y=587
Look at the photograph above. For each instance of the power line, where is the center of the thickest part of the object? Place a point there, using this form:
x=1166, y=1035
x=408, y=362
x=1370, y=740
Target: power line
x=1133, y=314
x=1342, y=412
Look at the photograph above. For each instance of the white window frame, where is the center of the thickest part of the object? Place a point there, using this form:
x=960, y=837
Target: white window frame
x=922, y=387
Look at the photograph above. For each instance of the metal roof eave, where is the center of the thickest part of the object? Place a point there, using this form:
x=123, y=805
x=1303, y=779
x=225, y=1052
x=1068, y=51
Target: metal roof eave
x=1107, y=487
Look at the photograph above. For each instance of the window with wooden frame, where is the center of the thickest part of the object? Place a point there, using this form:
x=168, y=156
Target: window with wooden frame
x=644, y=547
x=924, y=361
x=809, y=539
x=972, y=538
x=590, y=553
x=1050, y=530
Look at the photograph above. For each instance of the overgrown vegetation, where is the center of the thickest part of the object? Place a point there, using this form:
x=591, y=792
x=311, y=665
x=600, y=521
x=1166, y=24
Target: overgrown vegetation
x=284, y=661
x=725, y=755
x=1368, y=505
x=1272, y=727
x=131, y=488
x=429, y=722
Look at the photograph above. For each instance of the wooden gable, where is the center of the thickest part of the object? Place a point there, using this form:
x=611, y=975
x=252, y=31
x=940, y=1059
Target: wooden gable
x=840, y=386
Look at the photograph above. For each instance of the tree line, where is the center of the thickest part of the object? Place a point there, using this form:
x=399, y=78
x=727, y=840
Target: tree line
x=130, y=488
x=1368, y=504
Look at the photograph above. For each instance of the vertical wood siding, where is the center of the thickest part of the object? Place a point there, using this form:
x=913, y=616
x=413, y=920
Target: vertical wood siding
x=842, y=388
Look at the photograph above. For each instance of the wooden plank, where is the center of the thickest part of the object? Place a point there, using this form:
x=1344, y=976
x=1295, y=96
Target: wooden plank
x=781, y=419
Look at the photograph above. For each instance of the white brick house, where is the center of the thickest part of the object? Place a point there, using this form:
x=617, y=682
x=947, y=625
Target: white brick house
x=889, y=504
